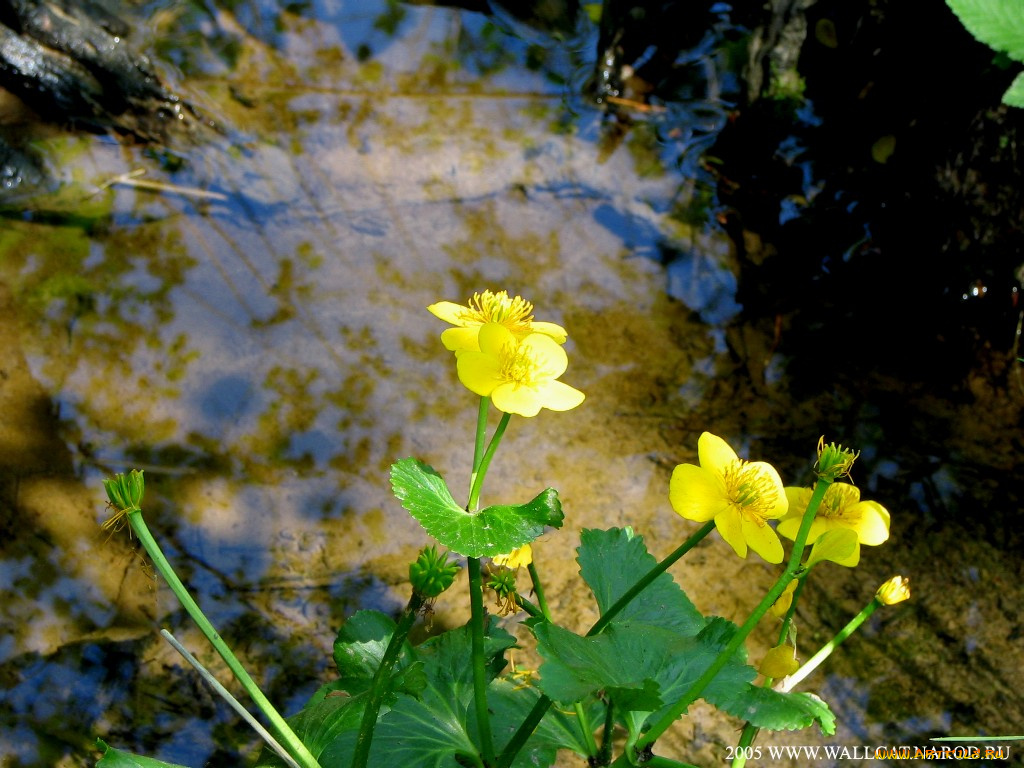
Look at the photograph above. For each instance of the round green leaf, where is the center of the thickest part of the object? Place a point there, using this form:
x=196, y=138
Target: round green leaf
x=492, y=531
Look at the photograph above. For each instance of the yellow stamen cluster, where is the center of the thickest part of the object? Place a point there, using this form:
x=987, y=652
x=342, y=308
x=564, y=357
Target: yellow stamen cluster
x=488, y=307
x=518, y=365
x=751, y=490
x=838, y=503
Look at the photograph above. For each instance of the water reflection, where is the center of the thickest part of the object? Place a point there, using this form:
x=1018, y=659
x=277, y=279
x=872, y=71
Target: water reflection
x=266, y=356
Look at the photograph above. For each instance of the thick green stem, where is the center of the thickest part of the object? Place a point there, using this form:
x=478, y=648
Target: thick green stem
x=737, y=640
x=379, y=686
x=650, y=576
x=281, y=729
x=476, y=624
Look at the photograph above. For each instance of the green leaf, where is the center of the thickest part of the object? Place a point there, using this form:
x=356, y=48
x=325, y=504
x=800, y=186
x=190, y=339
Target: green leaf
x=115, y=758
x=431, y=729
x=622, y=661
x=645, y=669
x=492, y=531
x=511, y=701
x=997, y=23
x=612, y=561
x=359, y=648
x=778, y=711
x=1014, y=95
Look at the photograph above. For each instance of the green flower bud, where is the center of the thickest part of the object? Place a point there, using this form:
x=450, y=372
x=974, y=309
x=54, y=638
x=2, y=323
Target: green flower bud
x=503, y=582
x=431, y=573
x=125, y=494
x=834, y=461
x=125, y=491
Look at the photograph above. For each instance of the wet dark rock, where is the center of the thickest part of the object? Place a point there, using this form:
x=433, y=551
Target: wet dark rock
x=70, y=63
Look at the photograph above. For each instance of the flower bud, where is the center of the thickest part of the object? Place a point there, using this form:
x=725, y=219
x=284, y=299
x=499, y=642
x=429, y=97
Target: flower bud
x=125, y=491
x=895, y=590
x=834, y=461
x=431, y=573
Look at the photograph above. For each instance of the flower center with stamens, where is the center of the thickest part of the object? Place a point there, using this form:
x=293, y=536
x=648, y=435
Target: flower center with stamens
x=488, y=307
x=838, y=503
x=518, y=365
x=751, y=490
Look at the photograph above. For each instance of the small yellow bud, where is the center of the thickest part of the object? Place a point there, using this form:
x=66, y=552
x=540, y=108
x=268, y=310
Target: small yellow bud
x=779, y=661
x=895, y=590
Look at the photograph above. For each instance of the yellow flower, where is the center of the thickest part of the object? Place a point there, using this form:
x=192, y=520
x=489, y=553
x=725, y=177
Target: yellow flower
x=841, y=507
x=895, y=590
x=519, y=375
x=740, y=496
x=517, y=558
x=488, y=307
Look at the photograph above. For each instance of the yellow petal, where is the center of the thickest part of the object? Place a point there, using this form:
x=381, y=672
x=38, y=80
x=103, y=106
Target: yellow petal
x=449, y=311
x=458, y=339
x=479, y=372
x=516, y=558
x=556, y=332
x=494, y=338
x=788, y=527
x=695, y=493
x=558, y=396
x=779, y=662
x=763, y=540
x=714, y=453
x=798, y=499
x=546, y=354
x=873, y=526
x=510, y=397
x=731, y=528
x=766, y=472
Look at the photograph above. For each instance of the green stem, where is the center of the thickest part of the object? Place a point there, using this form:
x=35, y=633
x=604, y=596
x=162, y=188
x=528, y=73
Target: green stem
x=282, y=730
x=379, y=685
x=524, y=731
x=737, y=640
x=538, y=590
x=649, y=577
x=480, y=438
x=529, y=607
x=750, y=731
x=826, y=650
x=604, y=757
x=476, y=624
x=485, y=461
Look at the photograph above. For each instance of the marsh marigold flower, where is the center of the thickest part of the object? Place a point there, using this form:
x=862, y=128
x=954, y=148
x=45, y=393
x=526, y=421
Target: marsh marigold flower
x=740, y=496
x=840, y=507
x=519, y=375
x=514, y=314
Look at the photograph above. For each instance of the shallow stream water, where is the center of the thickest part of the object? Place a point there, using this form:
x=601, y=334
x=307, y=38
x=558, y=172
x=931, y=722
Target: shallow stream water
x=253, y=335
